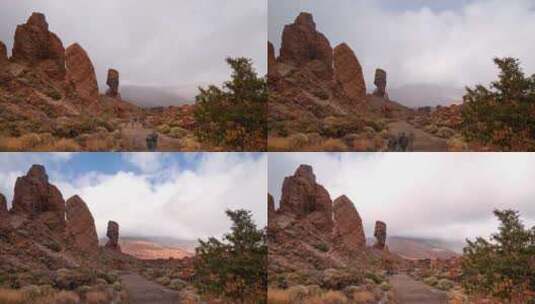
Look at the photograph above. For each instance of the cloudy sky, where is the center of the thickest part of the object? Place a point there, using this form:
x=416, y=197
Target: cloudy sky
x=447, y=43
x=161, y=42
x=178, y=195
x=437, y=195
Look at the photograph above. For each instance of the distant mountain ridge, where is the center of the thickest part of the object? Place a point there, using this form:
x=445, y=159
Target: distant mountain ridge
x=422, y=248
x=420, y=95
x=154, y=96
x=150, y=248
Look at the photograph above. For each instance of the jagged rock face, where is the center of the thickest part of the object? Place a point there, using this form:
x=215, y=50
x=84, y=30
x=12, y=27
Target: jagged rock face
x=302, y=196
x=271, y=207
x=380, y=83
x=113, y=236
x=36, y=45
x=272, y=61
x=3, y=206
x=3, y=53
x=113, y=83
x=81, y=73
x=302, y=43
x=380, y=234
x=348, y=229
x=81, y=225
x=348, y=72
x=37, y=198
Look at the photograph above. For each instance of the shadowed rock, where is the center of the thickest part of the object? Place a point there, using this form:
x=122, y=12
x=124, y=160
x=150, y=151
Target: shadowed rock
x=113, y=236
x=3, y=53
x=3, y=206
x=301, y=43
x=380, y=83
x=35, y=45
x=272, y=61
x=348, y=72
x=113, y=83
x=81, y=225
x=271, y=206
x=380, y=235
x=35, y=197
x=348, y=229
x=302, y=196
x=81, y=73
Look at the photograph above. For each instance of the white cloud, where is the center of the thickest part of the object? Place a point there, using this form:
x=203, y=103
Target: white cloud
x=147, y=162
x=445, y=195
x=186, y=203
x=446, y=47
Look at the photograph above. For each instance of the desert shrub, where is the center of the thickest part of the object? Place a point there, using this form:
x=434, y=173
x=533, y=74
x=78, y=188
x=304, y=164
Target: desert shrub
x=445, y=284
x=504, y=114
x=236, y=114
x=235, y=267
x=503, y=266
x=322, y=247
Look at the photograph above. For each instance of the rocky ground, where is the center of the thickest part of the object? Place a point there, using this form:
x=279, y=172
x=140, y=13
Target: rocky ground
x=49, y=253
x=319, y=102
x=318, y=254
x=50, y=101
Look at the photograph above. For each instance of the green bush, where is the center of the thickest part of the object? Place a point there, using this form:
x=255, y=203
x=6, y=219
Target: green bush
x=503, y=266
x=235, y=115
x=235, y=267
x=504, y=114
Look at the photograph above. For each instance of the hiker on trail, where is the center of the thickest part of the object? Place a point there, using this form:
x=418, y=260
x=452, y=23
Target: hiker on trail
x=152, y=141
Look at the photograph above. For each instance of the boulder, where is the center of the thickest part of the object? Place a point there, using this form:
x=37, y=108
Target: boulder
x=380, y=235
x=113, y=236
x=380, y=83
x=348, y=229
x=302, y=43
x=348, y=72
x=81, y=73
x=81, y=225
x=36, y=198
x=113, y=83
x=35, y=45
x=303, y=197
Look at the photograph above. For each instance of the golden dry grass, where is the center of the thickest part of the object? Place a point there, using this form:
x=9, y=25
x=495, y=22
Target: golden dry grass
x=96, y=297
x=285, y=296
x=11, y=296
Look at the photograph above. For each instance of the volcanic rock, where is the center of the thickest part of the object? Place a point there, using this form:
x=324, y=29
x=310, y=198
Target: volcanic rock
x=348, y=72
x=113, y=236
x=272, y=61
x=3, y=53
x=81, y=225
x=303, y=197
x=348, y=229
x=81, y=73
x=35, y=197
x=302, y=43
x=380, y=234
x=3, y=206
x=380, y=83
x=35, y=45
x=113, y=83
x=271, y=206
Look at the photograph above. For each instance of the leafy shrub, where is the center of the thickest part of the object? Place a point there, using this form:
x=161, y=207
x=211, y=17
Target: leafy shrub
x=235, y=115
x=504, y=114
x=503, y=266
x=235, y=267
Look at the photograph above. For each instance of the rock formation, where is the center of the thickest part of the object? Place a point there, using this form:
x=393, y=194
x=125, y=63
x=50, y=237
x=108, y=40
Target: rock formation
x=348, y=229
x=81, y=73
x=3, y=206
x=272, y=61
x=380, y=235
x=380, y=83
x=3, y=53
x=35, y=45
x=113, y=236
x=271, y=206
x=302, y=43
x=35, y=197
x=302, y=196
x=348, y=72
x=81, y=225
x=113, y=83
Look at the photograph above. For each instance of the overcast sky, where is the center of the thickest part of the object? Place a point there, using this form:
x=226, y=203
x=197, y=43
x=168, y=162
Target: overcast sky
x=178, y=195
x=437, y=195
x=158, y=42
x=448, y=43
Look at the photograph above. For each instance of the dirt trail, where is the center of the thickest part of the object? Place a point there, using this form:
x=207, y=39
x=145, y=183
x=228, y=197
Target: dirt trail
x=136, y=137
x=423, y=141
x=409, y=291
x=142, y=291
